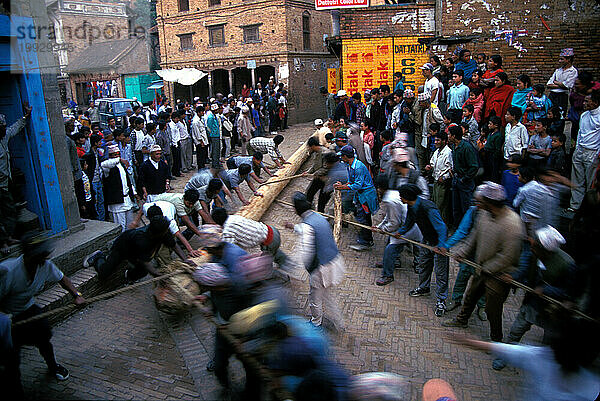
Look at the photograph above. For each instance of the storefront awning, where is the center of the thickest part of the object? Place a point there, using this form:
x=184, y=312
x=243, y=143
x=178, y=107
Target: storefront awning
x=156, y=85
x=184, y=76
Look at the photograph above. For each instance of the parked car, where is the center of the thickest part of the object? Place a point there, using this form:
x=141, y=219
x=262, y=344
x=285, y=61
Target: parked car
x=114, y=107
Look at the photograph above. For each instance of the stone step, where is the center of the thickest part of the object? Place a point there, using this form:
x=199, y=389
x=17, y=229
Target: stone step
x=70, y=250
x=68, y=255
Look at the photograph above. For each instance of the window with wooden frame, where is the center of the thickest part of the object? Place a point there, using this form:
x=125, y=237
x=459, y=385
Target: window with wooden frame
x=183, y=5
x=216, y=35
x=186, y=41
x=306, y=30
x=251, y=34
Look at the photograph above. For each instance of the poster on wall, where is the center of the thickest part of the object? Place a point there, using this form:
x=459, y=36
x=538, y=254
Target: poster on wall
x=370, y=63
x=333, y=4
x=366, y=64
x=333, y=80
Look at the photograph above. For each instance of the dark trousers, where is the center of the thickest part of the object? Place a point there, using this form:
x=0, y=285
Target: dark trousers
x=37, y=334
x=460, y=284
x=106, y=265
x=8, y=215
x=560, y=99
x=176, y=157
x=363, y=216
x=169, y=161
x=462, y=192
x=201, y=156
x=495, y=292
x=215, y=152
x=323, y=199
x=80, y=195
x=315, y=186
x=223, y=352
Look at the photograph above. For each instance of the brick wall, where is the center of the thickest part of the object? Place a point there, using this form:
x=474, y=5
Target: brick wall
x=385, y=21
x=544, y=26
x=537, y=51
x=307, y=74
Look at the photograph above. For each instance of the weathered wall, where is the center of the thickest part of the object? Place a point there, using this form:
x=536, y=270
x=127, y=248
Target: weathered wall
x=528, y=34
x=307, y=74
x=539, y=29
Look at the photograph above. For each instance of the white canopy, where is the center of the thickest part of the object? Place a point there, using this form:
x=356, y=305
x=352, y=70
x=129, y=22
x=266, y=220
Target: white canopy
x=184, y=76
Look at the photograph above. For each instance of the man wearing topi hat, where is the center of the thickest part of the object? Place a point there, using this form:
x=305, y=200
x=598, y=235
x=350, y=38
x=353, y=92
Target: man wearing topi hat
x=496, y=239
x=563, y=80
x=154, y=175
x=119, y=192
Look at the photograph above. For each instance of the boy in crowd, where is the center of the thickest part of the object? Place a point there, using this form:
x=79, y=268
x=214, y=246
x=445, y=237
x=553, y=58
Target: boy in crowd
x=440, y=167
x=256, y=161
x=234, y=177
x=540, y=143
x=470, y=120
x=557, y=160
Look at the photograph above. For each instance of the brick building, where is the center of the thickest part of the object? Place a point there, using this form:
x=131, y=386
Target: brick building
x=528, y=35
x=283, y=38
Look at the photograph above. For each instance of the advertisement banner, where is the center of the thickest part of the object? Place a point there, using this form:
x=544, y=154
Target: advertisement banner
x=366, y=64
x=370, y=63
x=333, y=80
x=409, y=55
x=333, y=4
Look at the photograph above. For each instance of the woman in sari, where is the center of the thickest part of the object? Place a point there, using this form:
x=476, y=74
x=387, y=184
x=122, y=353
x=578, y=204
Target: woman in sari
x=499, y=97
x=488, y=77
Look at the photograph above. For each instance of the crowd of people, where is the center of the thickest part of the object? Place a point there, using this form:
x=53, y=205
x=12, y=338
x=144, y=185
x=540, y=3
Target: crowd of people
x=466, y=167
x=117, y=167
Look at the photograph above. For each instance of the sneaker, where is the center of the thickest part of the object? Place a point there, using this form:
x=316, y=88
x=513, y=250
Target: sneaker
x=90, y=259
x=454, y=323
x=384, y=280
x=481, y=314
x=570, y=210
x=453, y=305
x=418, y=292
x=498, y=364
x=360, y=247
x=440, y=309
x=61, y=373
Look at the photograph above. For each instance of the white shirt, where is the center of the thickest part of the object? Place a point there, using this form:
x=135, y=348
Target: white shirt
x=516, y=139
x=127, y=204
x=244, y=232
x=395, y=213
x=441, y=161
x=566, y=77
x=149, y=141
x=589, y=129
x=183, y=132
x=545, y=381
x=168, y=210
x=430, y=85
x=199, y=131
x=139, y=139
x=155, y=164
x=175, y=136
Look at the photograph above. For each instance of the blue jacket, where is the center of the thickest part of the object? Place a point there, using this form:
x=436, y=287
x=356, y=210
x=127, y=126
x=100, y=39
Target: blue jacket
x=360, y=181
x=212, y=125
x=464, y=228
x=427, y=216
x=325, y=248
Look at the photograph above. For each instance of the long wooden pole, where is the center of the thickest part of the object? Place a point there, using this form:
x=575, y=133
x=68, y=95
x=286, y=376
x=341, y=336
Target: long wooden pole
x=465, y=261
x=337, y=212
x=260, y=204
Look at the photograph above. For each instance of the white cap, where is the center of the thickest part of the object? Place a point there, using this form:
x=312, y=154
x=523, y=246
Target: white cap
x=155, y=148
x=196, y=99
x=341, y=93
x=212, y=99
x=230, y=95
x=245, y=109
x=318, y=121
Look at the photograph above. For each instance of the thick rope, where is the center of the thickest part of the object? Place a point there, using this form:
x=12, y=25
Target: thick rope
x=478, y=267
x=291, y=177
x=100, y=297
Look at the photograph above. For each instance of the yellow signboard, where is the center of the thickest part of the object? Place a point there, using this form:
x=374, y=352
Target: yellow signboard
x=370, y=63
x=333, y=80
x=367, y=63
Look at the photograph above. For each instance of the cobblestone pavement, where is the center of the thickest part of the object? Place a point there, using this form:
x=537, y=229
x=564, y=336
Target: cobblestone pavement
x=123, y=348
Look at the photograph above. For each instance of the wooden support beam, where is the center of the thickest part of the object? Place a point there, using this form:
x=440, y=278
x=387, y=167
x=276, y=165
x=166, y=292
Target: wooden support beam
x=259, y=205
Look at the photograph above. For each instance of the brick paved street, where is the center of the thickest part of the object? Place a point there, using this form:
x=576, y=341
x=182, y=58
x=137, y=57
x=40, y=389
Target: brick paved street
x=123, y=348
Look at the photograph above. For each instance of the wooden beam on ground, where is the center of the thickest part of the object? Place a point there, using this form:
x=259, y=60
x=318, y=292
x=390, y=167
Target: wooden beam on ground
x=259, y=204
x=337, y=212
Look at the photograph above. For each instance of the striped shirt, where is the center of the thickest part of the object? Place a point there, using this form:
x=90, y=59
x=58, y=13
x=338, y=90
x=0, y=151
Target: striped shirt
x=265, y=145
x=244, y=232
